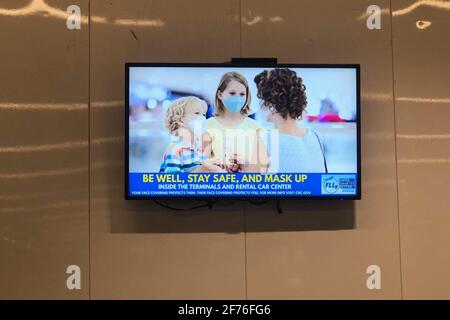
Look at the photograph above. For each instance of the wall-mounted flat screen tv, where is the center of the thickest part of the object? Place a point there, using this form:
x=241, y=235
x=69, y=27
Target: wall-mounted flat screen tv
x=242, y=131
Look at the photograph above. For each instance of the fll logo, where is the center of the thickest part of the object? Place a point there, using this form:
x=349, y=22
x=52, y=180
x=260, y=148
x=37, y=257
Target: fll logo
x=330, y=185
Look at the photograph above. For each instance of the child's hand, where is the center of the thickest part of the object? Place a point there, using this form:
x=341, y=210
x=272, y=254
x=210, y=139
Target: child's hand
x=235, y=163
x=212, y=164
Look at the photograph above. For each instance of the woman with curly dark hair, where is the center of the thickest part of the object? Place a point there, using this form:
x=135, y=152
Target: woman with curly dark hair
x=283, y=93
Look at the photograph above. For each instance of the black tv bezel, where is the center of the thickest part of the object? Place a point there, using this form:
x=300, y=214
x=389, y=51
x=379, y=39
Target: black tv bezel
x=269, y=64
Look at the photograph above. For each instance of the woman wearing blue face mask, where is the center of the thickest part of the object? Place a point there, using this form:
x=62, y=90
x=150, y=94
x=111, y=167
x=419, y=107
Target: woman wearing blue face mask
x=231, y=136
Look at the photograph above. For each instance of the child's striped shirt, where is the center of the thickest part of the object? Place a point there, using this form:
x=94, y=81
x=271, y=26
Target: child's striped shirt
x=180, y=157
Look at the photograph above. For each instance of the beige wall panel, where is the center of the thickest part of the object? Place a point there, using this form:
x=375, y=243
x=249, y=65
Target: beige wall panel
x=138, y=249
x=43, y=150
x=422, y=80
x=322, y=249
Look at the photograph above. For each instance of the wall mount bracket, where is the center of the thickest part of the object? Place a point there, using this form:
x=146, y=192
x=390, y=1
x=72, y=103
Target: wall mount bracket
x=257, y=62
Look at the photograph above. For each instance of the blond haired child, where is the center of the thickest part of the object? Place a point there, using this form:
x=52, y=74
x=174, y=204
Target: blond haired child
x=185, y=120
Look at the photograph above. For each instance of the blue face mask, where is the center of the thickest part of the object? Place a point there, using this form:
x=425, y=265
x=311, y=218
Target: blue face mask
x=234, y=103
x=197, y=125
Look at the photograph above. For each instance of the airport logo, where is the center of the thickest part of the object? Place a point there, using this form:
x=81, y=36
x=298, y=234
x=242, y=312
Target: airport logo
x=330, y=185
x=339, y=184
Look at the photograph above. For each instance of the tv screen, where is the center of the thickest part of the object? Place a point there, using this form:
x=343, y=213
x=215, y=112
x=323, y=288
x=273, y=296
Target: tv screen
x=242, y=131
